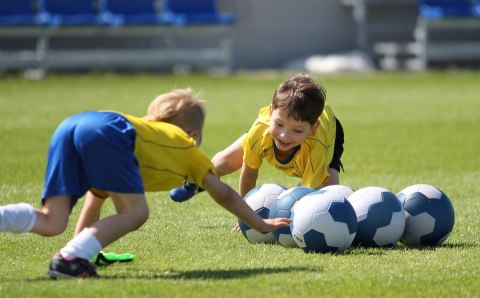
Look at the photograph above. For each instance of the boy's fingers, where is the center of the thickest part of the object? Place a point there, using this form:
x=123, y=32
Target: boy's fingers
x=284, y=221
x=236, y=228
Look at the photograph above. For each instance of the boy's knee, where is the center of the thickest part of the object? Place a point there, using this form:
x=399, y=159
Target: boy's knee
x=140, y=215
x=53, y=230
x=49, y=225
x=144, y=214
x=133, y=208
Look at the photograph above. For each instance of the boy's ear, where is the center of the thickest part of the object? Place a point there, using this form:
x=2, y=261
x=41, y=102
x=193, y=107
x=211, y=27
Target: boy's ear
x=314, y=127
x=271, y=109
x=196, y=135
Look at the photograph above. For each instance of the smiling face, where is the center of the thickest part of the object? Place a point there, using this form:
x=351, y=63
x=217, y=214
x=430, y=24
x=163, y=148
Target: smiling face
x=288, y=133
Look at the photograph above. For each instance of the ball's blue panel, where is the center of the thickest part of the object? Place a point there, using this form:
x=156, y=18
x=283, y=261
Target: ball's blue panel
x=344, y=212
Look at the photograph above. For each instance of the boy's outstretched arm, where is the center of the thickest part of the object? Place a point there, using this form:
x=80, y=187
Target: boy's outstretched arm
x=334, y=178
x=230, y=159
x=230, y=200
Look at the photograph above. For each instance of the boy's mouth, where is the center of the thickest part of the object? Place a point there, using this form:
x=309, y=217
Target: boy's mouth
x=282, y=145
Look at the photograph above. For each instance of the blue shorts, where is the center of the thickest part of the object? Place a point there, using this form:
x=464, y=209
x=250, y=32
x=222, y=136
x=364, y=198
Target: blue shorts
x=92, y=150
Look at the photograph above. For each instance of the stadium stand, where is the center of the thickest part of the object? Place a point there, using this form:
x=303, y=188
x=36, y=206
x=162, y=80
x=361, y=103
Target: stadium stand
x=71, y=13
x=127, y=12
x=20, y=12
x=385, y=30
x=183, y=12
x=476, y=8
x=91, y=34
x=439, y=9
x=413, y=34
x=447, y=31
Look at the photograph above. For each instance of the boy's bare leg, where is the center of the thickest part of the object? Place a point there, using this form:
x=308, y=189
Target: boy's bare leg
x=90, y=212
x=87, y=243
x=52, y=220
x=132, y=212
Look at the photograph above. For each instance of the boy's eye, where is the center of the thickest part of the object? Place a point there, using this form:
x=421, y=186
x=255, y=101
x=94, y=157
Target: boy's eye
x=298, y=131
x=279, y=124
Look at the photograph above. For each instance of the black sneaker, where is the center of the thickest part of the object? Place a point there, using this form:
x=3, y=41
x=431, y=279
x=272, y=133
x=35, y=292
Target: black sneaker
x=61, y=268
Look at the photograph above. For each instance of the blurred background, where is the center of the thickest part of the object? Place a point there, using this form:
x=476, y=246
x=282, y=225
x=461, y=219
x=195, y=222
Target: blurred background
x=321, y=36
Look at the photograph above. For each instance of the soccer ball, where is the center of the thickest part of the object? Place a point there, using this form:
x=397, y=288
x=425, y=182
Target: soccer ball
x=323, y=221
x=429, y=215
x=343, y=190
x=260, y=199
x=380, y=217
x=282, y=208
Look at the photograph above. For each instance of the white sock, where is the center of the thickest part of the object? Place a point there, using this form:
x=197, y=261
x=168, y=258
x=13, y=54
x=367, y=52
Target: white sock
x=17, y=218
x=83, y=246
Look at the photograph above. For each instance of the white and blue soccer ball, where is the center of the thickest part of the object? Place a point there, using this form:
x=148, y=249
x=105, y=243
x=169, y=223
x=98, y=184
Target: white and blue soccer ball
x=323, y=221
x=380, y=217
x=260, y=199
x=343, y=190
x=282, y=208
x=429, y=215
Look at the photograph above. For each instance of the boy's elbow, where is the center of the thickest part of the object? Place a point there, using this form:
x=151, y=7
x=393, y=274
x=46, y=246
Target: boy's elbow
x=226, y=200
x=227, y=197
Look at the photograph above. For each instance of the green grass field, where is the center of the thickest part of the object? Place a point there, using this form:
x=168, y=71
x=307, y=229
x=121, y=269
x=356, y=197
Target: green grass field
x=401, y=129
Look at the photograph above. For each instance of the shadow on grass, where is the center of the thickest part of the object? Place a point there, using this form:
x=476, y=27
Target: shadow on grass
x=460, y=245
x=401, y=247
x=227, y=274
x=220, y=274
x=213, y=274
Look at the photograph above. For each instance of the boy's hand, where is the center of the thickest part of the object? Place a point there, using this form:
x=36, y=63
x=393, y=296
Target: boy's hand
x=271, y=224
x=236, y=228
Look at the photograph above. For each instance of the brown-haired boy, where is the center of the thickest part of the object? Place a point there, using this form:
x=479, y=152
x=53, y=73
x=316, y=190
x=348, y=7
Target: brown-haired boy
x=297, y=134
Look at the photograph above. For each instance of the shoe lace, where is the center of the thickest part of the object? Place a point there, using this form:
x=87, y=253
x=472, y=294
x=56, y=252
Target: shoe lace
x=89, y=267
x=190, y=187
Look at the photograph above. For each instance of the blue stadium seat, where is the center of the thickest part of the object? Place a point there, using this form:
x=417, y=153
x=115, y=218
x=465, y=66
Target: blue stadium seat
x=74, y=12
x=476, y=8
x=131, y=12
x=184, y=12
x=437, y=9
x=21, y=12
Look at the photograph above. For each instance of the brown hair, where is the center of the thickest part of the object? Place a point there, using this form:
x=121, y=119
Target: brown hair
x=300, y=98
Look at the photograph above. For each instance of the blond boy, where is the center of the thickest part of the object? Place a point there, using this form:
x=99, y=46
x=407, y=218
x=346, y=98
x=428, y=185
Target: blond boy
x=120, y=156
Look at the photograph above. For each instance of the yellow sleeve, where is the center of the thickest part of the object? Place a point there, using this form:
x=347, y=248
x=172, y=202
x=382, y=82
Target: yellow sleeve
x=256, y=142
x=320, y=153
x=200, y=165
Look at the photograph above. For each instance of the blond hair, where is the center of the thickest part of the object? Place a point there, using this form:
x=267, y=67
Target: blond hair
x=180, y=107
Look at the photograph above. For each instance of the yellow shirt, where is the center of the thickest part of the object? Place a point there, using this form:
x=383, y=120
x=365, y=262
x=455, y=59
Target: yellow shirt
x=311, y=160
x=167, y=156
